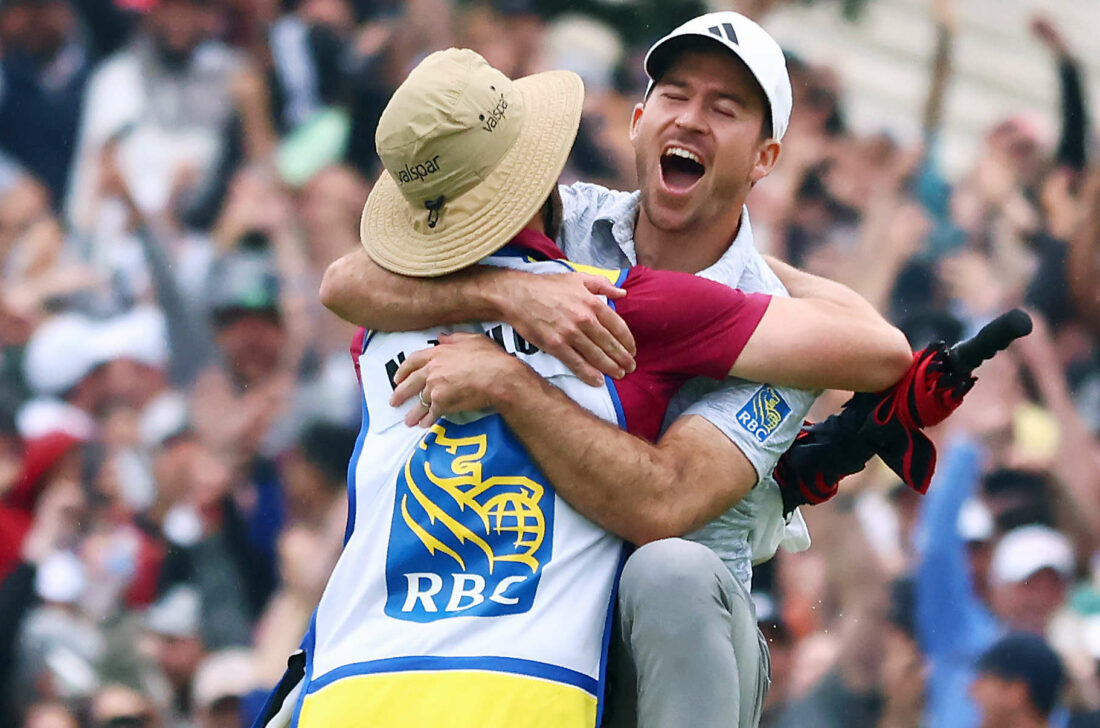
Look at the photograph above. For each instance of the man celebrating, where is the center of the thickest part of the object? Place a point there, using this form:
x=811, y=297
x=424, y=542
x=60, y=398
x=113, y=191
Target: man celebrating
x=708, y=130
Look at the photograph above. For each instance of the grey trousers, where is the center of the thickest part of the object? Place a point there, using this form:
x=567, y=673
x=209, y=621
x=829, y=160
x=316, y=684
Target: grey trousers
x=685, y=650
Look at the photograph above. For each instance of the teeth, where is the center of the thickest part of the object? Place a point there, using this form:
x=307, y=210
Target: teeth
x=681, y=152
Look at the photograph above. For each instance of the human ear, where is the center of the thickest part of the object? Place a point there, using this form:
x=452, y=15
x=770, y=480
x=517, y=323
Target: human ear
x=635, y=118
x=767, y=154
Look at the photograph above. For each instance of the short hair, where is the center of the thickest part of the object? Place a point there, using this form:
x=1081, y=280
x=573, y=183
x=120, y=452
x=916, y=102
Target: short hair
x=1010, y=481
x=328, y=447
x=1025, y=495
x=552, y=214
x=1027, y=658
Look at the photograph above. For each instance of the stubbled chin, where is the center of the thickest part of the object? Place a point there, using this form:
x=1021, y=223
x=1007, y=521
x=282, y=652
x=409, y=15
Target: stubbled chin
x=675, y=199
x=667, y=214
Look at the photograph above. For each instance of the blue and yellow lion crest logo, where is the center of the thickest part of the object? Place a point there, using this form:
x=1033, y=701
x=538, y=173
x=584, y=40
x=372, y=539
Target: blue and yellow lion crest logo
x=765, y=407
x=763, y=413
x=471, y=527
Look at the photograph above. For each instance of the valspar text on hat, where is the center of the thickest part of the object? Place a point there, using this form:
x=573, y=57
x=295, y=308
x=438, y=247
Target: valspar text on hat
x=420, y=170
x=495, y=115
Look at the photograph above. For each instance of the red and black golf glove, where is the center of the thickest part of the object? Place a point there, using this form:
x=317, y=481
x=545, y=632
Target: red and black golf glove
x=886, y=423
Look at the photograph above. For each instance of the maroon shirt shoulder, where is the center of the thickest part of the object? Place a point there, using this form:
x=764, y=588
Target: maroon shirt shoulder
x=685, y=326
x=358, y=341
x=537, y=242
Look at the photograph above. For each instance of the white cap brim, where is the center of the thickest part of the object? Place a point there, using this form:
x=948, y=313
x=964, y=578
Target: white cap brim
x=1023, y=552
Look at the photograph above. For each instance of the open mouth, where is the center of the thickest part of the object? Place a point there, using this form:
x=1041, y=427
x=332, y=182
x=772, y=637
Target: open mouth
x=681, y=169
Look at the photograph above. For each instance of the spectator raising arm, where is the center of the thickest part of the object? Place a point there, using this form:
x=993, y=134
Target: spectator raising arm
x=190, y=341
x=953, y=625
x=1075, y=466
x=946, y=20
x=1083, y=267
x=56, y=520
x=252, y=101
x=1072, y=144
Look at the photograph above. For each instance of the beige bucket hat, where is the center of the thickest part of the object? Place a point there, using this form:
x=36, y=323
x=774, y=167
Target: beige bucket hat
x=470, y=157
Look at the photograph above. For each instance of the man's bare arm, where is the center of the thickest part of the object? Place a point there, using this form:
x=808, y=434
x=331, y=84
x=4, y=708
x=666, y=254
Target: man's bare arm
x=561, y=314
x=801, y=284
x=847, y=352
x=358, y=290
x=636, y=490
x=639, y=491
x=851, y=344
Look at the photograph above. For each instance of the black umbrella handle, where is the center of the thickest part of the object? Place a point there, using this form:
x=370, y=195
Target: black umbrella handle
x=995, y=336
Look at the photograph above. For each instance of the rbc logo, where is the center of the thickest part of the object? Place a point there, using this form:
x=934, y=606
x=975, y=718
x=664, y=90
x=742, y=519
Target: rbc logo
x=472, y=525
x=762, y=415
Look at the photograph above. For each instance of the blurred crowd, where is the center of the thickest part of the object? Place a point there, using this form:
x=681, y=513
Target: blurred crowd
x=177, y=410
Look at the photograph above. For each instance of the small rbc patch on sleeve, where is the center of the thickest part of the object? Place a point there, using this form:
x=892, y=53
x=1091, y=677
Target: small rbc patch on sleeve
x=763, y=413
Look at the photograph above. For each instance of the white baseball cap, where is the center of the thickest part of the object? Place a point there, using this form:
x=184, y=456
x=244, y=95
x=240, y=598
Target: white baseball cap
x=140, y=334
x=228, y=673
x=1025, y=551
x=746, y=40
x=177, y=614
x=70, y=345
x=61, y=578
x=975, y=522
x=43, y=415
x=58, y=354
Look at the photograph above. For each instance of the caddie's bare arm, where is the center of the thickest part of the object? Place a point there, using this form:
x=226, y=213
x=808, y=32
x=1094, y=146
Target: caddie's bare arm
x=561, y=314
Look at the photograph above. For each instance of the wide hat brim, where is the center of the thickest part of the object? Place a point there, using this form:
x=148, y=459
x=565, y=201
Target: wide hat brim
x=485, y=218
